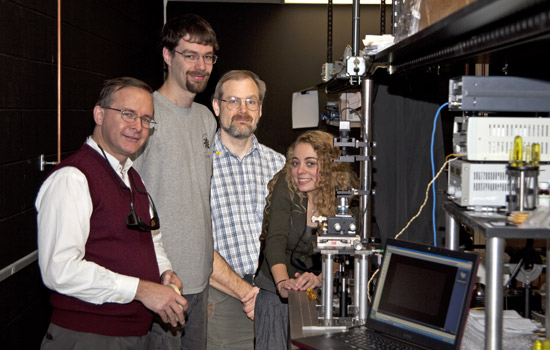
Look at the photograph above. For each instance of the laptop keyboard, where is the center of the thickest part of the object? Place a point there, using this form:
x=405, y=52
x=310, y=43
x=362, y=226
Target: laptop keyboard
x=370, y=340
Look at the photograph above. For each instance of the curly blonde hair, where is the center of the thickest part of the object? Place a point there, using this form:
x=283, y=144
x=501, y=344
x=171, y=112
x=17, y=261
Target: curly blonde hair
x=331, y=174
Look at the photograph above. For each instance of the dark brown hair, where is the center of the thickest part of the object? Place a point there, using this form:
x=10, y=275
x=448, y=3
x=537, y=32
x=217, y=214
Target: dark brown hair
x=198, y=29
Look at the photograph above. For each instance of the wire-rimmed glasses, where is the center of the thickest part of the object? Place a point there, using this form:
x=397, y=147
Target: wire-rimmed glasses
x=192, y=57
x=234, y=103
x=131, y=116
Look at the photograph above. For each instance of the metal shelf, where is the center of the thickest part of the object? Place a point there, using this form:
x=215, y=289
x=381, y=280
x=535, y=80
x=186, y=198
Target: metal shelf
x=492, y=224
x=484, y=27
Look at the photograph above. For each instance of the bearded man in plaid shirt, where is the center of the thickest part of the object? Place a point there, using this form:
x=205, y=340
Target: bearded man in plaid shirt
x=242, y=168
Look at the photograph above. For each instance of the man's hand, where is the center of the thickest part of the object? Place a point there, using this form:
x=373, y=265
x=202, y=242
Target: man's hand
x=163, y=300
x=170, y=277
x=249, y=302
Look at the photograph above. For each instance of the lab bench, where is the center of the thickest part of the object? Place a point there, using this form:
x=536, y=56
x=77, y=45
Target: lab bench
x=494, y=227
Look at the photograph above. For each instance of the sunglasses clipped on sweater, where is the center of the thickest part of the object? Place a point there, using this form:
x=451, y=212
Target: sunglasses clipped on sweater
x=133, y=221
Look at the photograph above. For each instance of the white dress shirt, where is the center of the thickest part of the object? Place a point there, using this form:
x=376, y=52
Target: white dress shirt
x=64, y=210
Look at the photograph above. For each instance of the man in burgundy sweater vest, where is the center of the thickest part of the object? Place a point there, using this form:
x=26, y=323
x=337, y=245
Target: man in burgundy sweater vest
x=99, y=243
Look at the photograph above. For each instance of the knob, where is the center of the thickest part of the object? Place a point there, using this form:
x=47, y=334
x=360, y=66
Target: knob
x=451, y=190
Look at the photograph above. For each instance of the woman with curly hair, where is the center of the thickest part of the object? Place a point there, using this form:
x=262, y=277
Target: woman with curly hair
x=304, y=188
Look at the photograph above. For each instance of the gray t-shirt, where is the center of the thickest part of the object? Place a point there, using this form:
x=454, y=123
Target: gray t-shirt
x=176, y=166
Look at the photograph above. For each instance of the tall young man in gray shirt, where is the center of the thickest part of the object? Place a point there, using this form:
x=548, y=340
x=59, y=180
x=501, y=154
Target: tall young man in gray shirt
x=176, y=164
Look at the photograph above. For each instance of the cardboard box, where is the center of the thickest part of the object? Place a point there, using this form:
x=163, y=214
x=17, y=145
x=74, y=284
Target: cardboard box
x=432, y=11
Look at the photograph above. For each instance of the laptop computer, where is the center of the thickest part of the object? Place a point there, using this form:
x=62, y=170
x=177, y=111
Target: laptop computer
x=421, y=300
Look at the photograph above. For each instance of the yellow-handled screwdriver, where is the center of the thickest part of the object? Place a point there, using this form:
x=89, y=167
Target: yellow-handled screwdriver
x=535, y=157
x=517, y=153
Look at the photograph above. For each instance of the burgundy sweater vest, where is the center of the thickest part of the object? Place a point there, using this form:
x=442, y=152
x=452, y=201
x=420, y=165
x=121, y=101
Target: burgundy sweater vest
x=111, y=245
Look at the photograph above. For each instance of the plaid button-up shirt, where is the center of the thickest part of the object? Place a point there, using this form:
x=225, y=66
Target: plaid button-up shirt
x=237, y=200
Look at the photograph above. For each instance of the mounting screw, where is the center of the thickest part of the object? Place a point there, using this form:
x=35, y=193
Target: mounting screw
x=43, y=163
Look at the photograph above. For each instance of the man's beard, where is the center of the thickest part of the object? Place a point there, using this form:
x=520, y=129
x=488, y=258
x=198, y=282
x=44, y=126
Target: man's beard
x=237, y=132
x=196, y=87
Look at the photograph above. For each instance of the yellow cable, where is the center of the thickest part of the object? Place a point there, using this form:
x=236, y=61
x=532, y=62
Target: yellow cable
x=453, y=155
x=369, y=282
x=447, y=161
x=426, y=197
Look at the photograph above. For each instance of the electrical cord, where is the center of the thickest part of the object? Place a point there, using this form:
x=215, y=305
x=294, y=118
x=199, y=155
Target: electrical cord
x=434, y=199
x=447, y=161
x=354, y=111
x=369, y=282
x=427, y=194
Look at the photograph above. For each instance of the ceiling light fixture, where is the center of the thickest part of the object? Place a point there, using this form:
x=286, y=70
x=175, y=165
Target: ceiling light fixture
x=335, y=2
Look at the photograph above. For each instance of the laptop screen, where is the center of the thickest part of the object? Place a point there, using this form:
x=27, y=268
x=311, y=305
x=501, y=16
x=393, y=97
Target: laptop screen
x=423, y=293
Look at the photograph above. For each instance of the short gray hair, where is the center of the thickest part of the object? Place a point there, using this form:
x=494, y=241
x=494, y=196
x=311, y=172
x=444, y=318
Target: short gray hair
x=240, y=75
x=111, y=86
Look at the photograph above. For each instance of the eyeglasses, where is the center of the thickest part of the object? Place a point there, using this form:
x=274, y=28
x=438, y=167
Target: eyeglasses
x=131, y=116
x=234, y=103
x=194, y=57
x=133, y=221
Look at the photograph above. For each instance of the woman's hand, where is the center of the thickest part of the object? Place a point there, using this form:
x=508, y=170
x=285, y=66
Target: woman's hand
x=285, y=285
x=307, y=280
